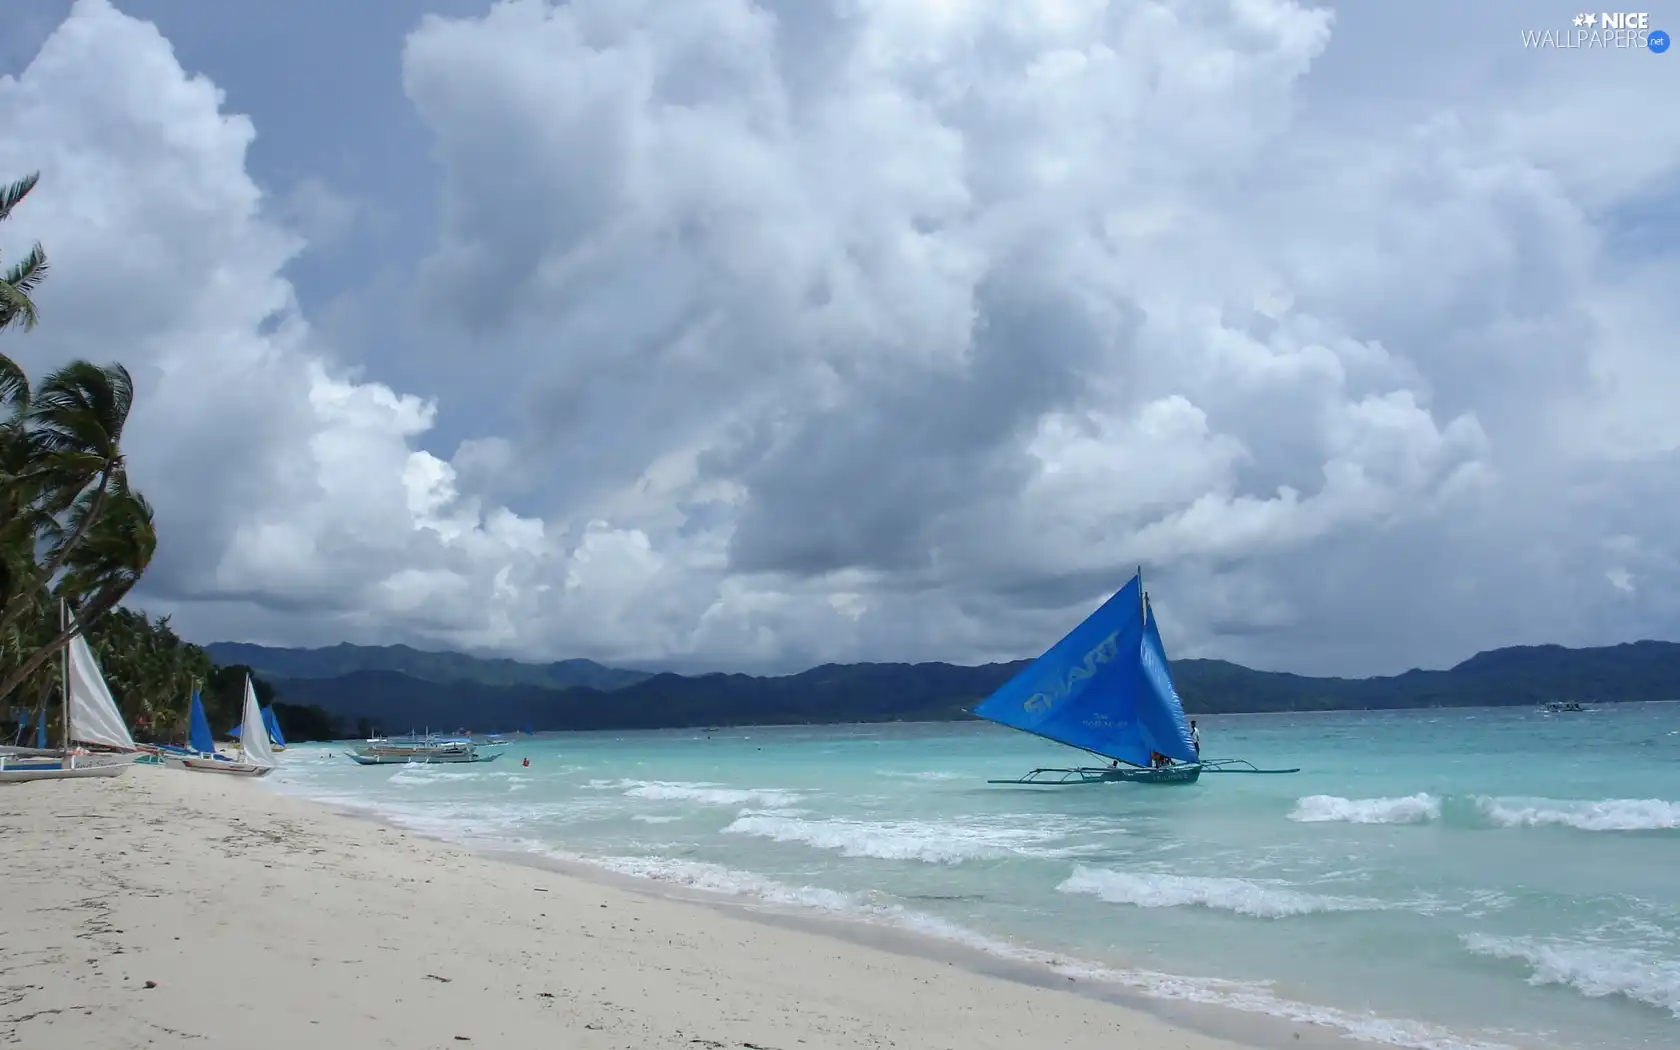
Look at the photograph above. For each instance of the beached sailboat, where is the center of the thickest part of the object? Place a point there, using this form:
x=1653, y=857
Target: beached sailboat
x=256, y=756
x=91, y=716
x=1106, y=688
x=200, y=744
x=271, y=722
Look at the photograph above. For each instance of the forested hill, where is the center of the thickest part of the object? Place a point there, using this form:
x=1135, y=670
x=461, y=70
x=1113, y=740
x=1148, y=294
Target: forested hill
x=396, y=688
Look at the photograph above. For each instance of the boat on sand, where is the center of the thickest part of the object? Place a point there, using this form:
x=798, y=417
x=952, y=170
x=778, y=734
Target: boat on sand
x=255, y=757
x=91, y=717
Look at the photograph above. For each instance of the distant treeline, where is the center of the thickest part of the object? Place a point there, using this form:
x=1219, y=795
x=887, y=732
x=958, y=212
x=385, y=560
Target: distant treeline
x=394, y=689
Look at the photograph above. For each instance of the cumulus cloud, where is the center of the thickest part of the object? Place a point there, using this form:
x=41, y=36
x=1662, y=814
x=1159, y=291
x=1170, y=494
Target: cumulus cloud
x=785, y=332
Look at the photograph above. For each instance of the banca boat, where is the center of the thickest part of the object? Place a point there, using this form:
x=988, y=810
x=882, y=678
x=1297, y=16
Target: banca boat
x=91, y=716
x=1106, y=688
x=425, y=750
x=256, y=753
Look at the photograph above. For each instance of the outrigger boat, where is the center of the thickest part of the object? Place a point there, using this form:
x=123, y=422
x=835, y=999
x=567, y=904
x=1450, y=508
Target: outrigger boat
x=255, y=758
x=91, y=716
x=426, y=750
x=1106, y=689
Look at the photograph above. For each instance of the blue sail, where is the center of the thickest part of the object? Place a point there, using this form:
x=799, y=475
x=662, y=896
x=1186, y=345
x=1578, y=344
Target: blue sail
x=273, y=725
x=1160, y=711
x=41, y=732
x=198, y=728
x=1088, y=690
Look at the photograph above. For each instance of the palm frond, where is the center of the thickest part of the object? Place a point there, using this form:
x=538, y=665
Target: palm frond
x=12, y=195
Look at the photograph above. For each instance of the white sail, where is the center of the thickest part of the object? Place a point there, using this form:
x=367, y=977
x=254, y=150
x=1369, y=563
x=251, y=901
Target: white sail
x=94, y=715
x=253, y=733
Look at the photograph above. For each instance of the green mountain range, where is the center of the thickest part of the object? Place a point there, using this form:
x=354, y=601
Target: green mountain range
x=396, y=688
x=345, y=659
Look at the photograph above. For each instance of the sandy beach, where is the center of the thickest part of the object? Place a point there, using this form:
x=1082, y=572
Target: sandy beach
x=164, y=909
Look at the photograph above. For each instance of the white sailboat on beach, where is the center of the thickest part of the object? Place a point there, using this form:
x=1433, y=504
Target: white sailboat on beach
x=256, y=754
x=91, y=716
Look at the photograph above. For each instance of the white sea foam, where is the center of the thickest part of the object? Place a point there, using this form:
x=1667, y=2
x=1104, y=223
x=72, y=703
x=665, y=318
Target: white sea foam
x=515, y=827
x=1249, y=997
x=1408, y=809
x=701, y=792
x=1594, y=970
x=930, y=843
x=926, y=774
x=1610, y=814
x=650, y=818
x=1261, y=900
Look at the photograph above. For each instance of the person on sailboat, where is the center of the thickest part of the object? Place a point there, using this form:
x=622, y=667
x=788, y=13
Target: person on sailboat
x=1195, y=738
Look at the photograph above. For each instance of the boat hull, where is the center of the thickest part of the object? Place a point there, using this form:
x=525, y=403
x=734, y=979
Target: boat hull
x=216, y=765
x=26, y=769
x=420, y=759
x=1188, y=773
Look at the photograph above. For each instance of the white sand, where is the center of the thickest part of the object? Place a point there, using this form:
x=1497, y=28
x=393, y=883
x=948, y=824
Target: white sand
x=269, y=922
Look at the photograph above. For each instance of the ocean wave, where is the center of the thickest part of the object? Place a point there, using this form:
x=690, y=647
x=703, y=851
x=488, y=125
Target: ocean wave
x=1610, y=814
x=436, y=773
x=702, y=792
x=1260, y=900
x=897, y=840
x=1248, y=997
x=1594, y=970
x=1409, y=809
x=925, y=774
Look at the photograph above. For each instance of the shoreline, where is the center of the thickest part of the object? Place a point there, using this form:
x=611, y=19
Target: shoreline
x=209, y=910
x=979, y=954
x=1250, y=1031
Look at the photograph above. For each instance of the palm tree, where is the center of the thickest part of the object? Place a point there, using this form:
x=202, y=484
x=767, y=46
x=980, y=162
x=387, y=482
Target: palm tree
x=61, y=462
x=71, y=528
x=104, y=566
x=17, y=281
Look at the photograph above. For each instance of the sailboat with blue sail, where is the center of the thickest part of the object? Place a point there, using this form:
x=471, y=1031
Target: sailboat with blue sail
x=256, y=754
x=1106, y=688
x=200, y=743
x=272, y=721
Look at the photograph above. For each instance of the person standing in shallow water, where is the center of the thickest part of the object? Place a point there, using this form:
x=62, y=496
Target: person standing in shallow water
x=1195, y=738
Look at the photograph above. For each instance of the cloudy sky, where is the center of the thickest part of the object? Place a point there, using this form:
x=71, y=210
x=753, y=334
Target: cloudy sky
x=736, y=334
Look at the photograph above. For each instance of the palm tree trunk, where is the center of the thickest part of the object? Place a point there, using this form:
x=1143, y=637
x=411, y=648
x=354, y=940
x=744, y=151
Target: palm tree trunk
x=56, y=562
x=79, y=623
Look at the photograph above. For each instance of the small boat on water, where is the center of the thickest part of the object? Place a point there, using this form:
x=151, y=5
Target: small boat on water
x=426, y=750
x=91, y=717
x=256, y=754
x=1106, y=688
x=1562, y=706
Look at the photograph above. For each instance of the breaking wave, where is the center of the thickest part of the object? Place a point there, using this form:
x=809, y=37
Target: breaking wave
x=1593, y=970
x=701, y=792
x=1408, y=809
x=1611, y=814
x=897, y=840
x=1260, y=900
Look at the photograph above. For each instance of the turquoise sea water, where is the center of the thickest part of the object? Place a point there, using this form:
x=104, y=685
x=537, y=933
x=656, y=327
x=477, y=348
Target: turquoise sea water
x=1434, y=879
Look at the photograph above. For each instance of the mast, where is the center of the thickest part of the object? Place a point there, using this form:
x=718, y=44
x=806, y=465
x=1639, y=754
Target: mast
x=1143, y=599
x=64, y=681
